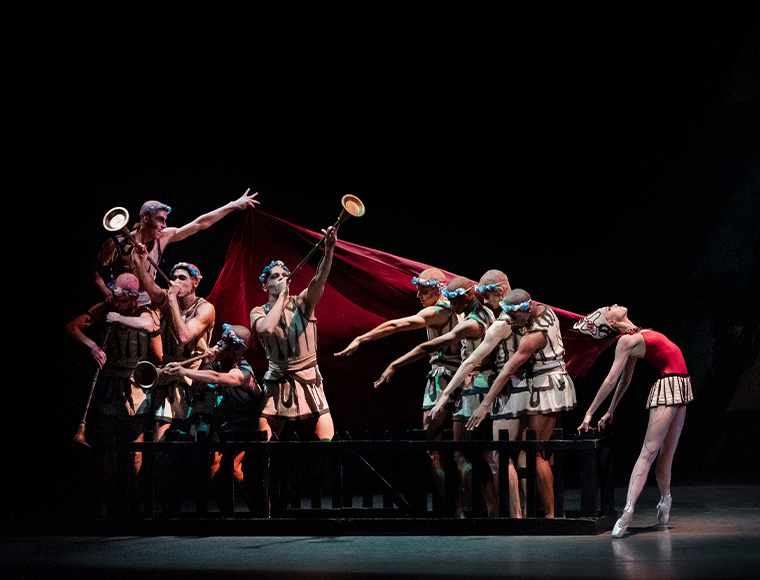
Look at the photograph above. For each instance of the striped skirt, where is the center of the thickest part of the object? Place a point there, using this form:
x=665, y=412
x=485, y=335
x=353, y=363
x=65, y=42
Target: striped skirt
x=544, y=394
x=670, y=390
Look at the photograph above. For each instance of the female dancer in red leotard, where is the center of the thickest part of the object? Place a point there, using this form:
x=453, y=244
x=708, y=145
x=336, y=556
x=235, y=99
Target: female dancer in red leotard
x=666, y=403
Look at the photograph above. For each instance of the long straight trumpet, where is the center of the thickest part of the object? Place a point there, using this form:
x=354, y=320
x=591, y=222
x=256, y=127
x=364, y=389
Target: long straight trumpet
x=116, y=220
x=146, y=374
x=79, y=436
x=352, y=206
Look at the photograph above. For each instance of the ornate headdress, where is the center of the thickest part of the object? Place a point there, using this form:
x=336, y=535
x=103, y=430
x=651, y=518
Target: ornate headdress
x=595, y=324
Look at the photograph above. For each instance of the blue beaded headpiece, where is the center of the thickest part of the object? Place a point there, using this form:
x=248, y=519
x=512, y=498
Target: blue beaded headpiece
x=229, y=338
x=491, y=287
x=157, y=207
x=514, y=307
x=424, y=282
x=268, y=269
x=194, y=272
x=455, y=293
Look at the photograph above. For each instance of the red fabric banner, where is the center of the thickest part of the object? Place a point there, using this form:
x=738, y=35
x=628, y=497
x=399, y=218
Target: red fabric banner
x=365, y=288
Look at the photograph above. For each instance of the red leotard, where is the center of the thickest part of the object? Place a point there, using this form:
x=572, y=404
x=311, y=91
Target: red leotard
x=663, y=354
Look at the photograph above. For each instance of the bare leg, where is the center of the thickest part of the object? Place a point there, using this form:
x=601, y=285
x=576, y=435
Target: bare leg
x=434, y=431
x=513, y=427
x=241, y=483
x=272, y=426
x=324, y=428
x=490, y=493
x=215, y=475
x=264, y=426
x=216, y=462
x=544, y=427
x=134, y=474
x=664, y=465
x=160, y=430
x=660, y=420
x=463, y=466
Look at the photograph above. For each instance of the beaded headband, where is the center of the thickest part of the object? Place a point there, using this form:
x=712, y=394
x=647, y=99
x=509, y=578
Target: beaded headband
x=425, y=282
x=194, y=272
x=514, y=307
x=491, y=287
x=229, y=338
x=128, y=292
x=155, y=208
x=455, y=293
x=268, y=269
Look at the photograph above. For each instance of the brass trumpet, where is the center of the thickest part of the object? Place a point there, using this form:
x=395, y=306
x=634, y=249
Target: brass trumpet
x=116, y=220
x=79, y=436
x=146, y=373
x=352, y=207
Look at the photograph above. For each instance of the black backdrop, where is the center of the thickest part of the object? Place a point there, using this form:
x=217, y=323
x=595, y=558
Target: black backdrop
x=596, y=155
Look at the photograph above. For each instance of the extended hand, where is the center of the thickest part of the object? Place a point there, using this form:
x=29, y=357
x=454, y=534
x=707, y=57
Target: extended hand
x=586, y=425
x=246, y=200
x=477, y=417
x=439, y=404
x=385, y=377
x=173, y=369
x=349, y=350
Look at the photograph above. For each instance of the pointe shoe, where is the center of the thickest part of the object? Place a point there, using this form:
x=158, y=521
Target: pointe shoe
x=663, y=509
x=621, y=526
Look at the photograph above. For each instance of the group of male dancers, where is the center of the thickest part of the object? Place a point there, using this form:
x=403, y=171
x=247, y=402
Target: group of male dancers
x=496, y=359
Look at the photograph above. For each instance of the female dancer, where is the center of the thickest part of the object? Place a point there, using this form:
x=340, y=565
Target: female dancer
x=666, y=403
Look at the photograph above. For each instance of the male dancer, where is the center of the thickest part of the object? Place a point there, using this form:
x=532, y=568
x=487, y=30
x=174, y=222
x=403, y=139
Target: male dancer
x=120, y=339
x=499, y=342
x=286, y=327
x=438, y=318
x=186, y=322
x=233, y=400
x=115, y=254
x=550, y=389
x=468, y=334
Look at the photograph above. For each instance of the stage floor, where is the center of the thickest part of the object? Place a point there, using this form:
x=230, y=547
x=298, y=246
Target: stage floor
x=714, y=532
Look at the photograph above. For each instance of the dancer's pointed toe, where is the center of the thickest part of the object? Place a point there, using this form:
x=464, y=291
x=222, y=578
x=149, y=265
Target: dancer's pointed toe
x=663, y=509
x=621, y=526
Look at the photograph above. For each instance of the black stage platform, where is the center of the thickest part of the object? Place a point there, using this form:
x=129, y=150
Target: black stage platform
x=714, y=532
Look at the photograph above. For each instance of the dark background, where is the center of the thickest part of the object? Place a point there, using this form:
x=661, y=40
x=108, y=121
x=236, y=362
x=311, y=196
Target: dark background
x=595, y=154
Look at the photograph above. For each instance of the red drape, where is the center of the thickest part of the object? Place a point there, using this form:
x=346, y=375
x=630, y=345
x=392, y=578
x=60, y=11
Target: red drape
x=365, y=288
